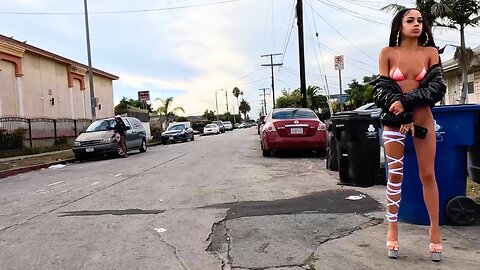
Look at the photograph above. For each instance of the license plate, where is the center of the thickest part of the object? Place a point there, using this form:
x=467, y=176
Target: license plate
x=88, y=150
x=296, y=131
x=170, y=138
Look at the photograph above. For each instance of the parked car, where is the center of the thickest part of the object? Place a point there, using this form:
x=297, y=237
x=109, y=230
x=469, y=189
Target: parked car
x=369, y=108
x=228, y=125
x=220, y=125
x=245, y=125
x=99, y=138
x=293, y=128
x=211, y=129
x=177, y=132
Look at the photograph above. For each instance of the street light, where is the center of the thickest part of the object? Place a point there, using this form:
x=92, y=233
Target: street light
x=216, y=101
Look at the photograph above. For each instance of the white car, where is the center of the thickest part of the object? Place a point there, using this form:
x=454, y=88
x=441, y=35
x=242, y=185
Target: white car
x=211, y=129
x=228, y=125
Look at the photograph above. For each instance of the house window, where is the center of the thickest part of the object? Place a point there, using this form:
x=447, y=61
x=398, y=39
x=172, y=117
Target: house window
x=470, y=80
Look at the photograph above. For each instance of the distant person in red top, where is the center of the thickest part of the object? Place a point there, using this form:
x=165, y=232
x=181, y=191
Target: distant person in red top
x=120, y=129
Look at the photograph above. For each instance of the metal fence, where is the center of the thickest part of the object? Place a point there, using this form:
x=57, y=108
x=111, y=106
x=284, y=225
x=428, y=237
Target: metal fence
x=17, y=132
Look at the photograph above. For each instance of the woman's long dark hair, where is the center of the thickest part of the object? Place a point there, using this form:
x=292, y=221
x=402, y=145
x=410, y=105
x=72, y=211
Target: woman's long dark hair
x=397, y=28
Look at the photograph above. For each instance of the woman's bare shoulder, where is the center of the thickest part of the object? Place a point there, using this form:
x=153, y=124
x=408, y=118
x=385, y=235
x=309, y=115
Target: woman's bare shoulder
x=431, y=51
x=386, y=50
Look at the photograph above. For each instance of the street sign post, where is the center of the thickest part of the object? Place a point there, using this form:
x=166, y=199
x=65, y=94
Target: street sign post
x=339, y=65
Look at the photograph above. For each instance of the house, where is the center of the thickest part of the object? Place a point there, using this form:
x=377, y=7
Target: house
x=453, y=78
x=35, y=83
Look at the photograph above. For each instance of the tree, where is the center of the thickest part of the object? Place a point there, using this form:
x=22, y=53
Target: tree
x=360, y=93
x=244, y=108
x=166, y=109
x=289, y=99
x=454, y=14
x=209, y=114
x=121, y=107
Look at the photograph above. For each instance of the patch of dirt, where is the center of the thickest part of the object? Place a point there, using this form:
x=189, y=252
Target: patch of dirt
x=25, y=162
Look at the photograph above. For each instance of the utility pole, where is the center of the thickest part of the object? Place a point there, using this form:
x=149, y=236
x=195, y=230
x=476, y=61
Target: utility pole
x=216, y=103
x=226, y=98
x=272, y=65
x=93, y=101
x=264, y=100
x=301, y=53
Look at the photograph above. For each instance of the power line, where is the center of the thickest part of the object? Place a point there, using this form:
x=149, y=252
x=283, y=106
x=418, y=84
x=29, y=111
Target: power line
x=342, y=35
x=117, y=12
x=351, y=12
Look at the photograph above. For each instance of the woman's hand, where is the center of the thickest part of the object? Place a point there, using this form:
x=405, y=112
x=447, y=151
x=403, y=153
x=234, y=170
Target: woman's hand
x=396, y=108
x=404, y=129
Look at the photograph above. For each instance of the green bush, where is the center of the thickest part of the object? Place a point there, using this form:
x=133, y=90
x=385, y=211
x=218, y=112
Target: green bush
x=10, y=141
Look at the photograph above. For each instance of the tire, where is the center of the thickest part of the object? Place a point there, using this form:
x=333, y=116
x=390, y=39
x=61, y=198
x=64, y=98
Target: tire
x=193, y=138
x=461, y=211
x=79, y=158
x=143, y=148
x=266, y=153
x=164, y=142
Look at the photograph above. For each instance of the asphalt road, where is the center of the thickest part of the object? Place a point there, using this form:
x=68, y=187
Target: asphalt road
x=214, y=203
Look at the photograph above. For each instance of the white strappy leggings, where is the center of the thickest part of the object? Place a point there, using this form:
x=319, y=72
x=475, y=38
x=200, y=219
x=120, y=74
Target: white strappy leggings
x=393, y=189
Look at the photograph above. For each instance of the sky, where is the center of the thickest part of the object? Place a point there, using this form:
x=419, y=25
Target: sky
x=193, y=50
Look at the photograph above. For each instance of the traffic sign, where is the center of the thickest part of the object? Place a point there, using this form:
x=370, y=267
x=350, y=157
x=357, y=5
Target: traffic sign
x=339, y=64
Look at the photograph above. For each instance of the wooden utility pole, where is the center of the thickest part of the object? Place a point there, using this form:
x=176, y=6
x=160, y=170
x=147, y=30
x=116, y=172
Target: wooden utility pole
x=272, y=65
x=301, y=53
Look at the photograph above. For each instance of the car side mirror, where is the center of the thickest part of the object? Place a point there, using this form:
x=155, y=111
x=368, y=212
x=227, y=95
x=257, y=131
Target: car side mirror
x=129, y=128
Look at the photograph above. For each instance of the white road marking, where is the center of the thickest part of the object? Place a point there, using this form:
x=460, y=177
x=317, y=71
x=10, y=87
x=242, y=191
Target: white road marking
x=56, y=183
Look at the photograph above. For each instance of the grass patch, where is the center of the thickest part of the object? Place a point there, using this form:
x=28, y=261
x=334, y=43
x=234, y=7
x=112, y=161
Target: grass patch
x=34, y=150
x=310, y=262
x=473, y=190
x=19, y=163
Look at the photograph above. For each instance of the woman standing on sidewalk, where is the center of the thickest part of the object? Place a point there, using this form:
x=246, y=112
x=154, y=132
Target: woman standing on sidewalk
x=410, y=83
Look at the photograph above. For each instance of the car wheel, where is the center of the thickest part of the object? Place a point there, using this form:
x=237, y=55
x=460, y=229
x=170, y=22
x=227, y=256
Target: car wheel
x=79, y=158
x=164, y=142
x=193, y=138
x=266, y=153
x=143, y=148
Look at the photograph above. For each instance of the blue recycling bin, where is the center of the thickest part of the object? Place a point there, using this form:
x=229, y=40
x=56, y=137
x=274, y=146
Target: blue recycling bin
x=455, y=131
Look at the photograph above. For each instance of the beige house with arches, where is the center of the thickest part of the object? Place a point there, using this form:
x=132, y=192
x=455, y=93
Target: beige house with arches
x=37, y=83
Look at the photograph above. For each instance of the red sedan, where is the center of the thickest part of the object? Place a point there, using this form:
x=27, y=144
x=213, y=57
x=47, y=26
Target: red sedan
x=293, y=128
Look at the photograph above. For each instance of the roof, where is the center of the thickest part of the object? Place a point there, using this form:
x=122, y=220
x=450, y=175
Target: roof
x=56, y=57
x=452, y=64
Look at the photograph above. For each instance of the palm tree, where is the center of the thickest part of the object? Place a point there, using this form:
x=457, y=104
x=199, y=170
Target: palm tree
x=244, y=108
x=166, y=109
x=313, y=97
x=453, y=14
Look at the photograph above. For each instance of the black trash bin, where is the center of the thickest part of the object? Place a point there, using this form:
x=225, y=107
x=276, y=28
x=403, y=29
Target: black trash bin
x=358, y=147
x=332, y=159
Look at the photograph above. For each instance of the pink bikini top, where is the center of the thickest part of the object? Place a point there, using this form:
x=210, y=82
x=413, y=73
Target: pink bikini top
x=398, y=75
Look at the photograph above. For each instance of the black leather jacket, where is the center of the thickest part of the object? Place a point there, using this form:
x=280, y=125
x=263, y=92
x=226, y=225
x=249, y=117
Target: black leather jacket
x=386, y=91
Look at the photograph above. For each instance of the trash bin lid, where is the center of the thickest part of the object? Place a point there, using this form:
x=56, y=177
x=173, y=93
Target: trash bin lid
x=351, y=115
x=456, y=108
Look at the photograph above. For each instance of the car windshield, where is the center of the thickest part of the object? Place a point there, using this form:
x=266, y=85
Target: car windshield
x=368, y=106
x=217, y=123
x=293, y=114
x=176, y=127
x=101, y=125
x=227, y=123
x=211, y=126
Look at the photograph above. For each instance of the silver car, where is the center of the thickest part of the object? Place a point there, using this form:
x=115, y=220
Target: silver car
x=99, y=139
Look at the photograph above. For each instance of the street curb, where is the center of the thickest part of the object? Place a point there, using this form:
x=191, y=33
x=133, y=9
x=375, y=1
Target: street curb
x=12, y=172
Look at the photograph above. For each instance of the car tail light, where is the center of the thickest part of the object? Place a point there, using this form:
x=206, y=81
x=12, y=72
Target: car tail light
x=322, y=127
x=270, y=128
